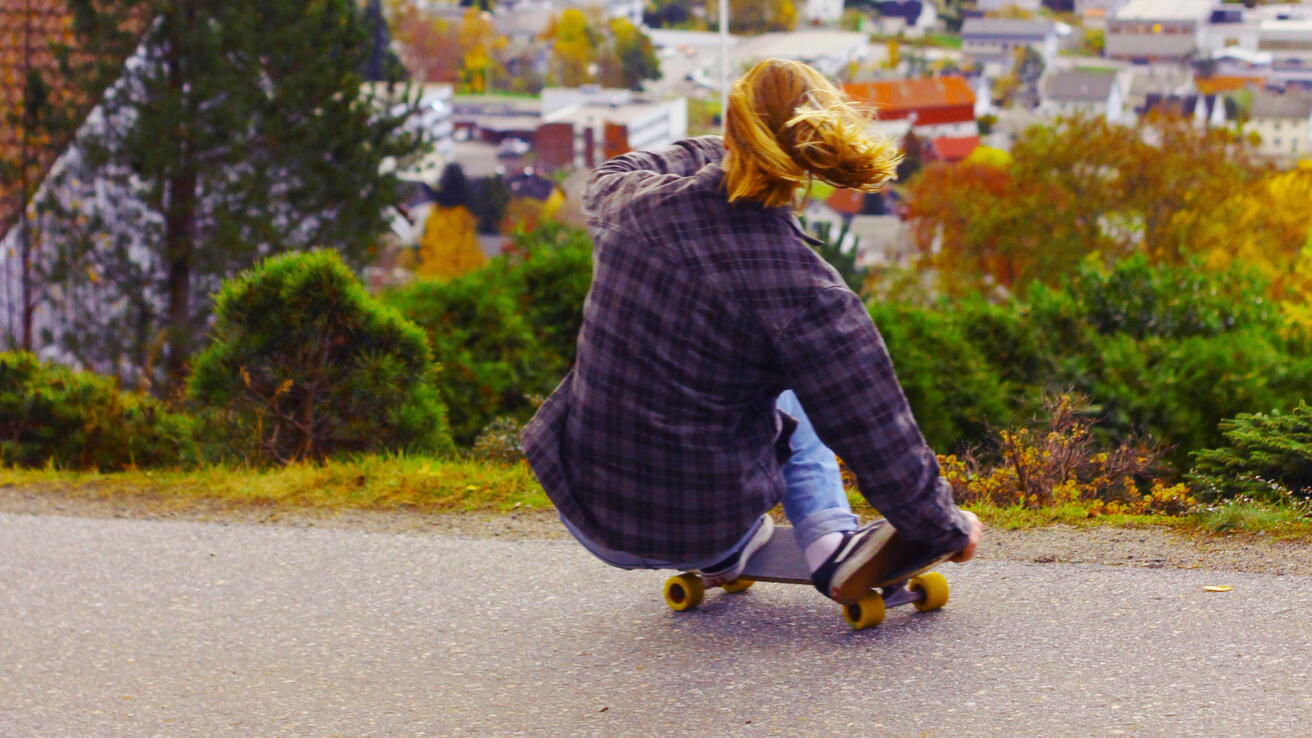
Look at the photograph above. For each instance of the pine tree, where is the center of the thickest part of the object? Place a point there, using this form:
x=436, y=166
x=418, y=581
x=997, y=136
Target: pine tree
x=236, y=130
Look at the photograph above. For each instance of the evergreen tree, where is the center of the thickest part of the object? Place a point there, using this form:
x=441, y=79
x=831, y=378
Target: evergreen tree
x=236, y=130
x=453, y=187
x=382, y=64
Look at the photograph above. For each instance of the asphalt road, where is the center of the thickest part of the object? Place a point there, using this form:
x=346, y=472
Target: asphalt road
x=140, y=628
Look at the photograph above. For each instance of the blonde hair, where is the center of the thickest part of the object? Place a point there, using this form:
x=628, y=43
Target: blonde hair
x=787, y=125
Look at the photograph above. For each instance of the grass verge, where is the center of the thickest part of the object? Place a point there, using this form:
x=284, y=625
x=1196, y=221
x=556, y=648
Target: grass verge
x=435, y=485
x=368, y=483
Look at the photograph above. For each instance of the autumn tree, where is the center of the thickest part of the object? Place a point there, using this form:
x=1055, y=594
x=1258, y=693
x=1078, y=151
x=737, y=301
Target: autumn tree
x=573, y=48
x=629, y=57
x=429, y=46
x=481, y=47
x=1079, y=187
x=755, y=16
x=1267, y=226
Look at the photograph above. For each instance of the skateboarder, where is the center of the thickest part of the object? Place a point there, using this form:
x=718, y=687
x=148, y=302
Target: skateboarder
x=720, y=359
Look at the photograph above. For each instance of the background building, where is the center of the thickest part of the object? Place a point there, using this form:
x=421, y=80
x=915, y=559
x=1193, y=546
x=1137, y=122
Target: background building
x=1158, y=30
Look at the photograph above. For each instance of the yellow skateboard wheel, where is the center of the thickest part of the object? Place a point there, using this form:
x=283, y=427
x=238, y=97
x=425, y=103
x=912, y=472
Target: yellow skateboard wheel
x=866, y=612
x=935, y=588
x=738, y=585
x=684, y=592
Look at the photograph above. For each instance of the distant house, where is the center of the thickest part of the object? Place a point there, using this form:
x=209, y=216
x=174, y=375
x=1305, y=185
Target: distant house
x=493, y=118
x=1097, y=9
x=1156, y=79
x=993, y=41
x=1158, y=30
x=912, y=17
x=1209, y=111
x=1284, y=121
x=1077, y=92
x=937, y=107
x=1289, y=42
x=630, y=10
x=584, y=126
x=992, y=6
x=823, y=11
x=828, y=51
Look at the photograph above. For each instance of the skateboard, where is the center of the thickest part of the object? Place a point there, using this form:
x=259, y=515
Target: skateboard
x=780, y=560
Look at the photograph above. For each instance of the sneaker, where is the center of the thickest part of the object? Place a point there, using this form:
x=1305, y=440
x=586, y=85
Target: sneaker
x=871, y=556
x=731, y=568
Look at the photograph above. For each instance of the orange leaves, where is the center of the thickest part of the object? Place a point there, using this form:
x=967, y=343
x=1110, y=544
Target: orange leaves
x=1076, y=188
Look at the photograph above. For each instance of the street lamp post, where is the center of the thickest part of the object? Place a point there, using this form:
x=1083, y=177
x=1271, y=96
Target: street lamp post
x=724, y=61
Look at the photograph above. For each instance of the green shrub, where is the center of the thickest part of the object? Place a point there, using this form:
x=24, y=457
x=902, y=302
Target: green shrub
x=1138, y=299
x=507, y=331
x=1169, y=351
x=550, y=272
x=1179, y=390
x=304, y=364
x=954, y=392
x=52, y=414
x=1269, y=458
x=488, y=354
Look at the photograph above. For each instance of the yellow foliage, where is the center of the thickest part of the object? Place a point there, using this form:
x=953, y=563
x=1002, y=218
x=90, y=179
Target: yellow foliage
x=574, y=48
x=1268, y=227
x=999, y=158
x=1058, y=464
x=449, y=246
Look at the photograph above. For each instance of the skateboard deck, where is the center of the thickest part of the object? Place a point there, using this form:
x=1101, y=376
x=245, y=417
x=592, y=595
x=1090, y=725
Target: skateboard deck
x=780, y=560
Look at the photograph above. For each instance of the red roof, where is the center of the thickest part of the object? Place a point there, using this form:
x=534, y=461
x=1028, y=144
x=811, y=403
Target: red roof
x=896, y=98
x=955, y=149
x=847, y=202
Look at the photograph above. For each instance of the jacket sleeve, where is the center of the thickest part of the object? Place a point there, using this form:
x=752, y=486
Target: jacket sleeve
x=682, y=158
x=837, y=364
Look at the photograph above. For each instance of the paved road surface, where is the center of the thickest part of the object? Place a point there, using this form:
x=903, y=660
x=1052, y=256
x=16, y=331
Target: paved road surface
x=139, y=628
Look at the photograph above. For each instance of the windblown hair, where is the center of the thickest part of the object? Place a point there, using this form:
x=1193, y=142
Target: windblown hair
x=787, y=125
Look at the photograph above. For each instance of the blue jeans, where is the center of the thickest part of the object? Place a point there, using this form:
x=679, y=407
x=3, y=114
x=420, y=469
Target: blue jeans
x=814, y=499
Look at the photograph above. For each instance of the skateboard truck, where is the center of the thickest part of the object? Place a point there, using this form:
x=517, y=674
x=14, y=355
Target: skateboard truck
x=780, y=560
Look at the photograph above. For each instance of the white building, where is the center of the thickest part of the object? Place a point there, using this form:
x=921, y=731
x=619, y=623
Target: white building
x=828, y=51
x=992, y=6
x=1097, y=10
x=1284, y=121
x=994, y=41
x=823, y=11
x=1158, y=30
x=912, y=18
x=1289, y=42
x=1065, y=93
x=607, y=122
x=607, y=9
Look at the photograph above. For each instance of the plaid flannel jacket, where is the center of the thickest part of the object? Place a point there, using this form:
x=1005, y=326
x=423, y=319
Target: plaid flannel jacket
x=663, y=440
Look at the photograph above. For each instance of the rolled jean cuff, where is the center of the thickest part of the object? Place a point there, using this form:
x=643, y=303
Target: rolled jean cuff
x=823, y=522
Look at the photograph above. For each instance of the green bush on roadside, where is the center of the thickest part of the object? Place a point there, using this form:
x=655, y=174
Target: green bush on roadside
x=507, y=331
x=550, y=271
x=304, y=364
x=1269, y=458
x=954, y=390
x=488, y=355
x=52, y=414
x=1169, y=351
